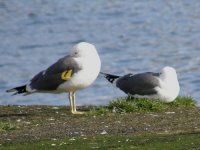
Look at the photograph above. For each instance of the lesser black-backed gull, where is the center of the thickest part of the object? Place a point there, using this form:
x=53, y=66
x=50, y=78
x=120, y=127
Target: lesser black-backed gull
x=69, y=74
x=163, y=86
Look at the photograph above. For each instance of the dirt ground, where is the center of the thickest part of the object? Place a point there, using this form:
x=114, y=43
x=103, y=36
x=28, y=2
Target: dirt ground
x=19, y=124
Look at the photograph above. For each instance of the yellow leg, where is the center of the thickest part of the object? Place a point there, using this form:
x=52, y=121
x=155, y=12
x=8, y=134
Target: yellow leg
x=71, y=102
x=74, y=101
x=74, y=105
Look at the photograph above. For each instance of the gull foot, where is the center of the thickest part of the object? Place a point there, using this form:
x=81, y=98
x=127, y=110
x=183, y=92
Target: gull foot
x=78, y=113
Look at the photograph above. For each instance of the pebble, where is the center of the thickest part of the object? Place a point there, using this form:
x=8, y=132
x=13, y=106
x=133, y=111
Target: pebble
x=170, y=112
x=103, y=132
x=55, y=108
x=72, y=139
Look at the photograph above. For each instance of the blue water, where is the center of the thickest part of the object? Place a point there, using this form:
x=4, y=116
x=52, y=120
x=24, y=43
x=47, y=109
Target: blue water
x=131, y=36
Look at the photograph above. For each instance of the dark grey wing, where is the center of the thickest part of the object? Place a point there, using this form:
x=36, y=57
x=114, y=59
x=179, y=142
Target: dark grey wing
x=141, y=84
x=55, y=75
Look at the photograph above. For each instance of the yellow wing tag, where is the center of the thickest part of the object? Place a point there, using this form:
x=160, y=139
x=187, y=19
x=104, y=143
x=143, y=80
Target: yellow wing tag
x=66, y=75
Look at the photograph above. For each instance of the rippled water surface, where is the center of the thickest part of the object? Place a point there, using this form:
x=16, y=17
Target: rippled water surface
x=131, y=36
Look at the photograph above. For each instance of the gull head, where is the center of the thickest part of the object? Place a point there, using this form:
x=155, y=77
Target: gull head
x=170, y=84
x=168, y=74
x=168, y=71
x=84, y=49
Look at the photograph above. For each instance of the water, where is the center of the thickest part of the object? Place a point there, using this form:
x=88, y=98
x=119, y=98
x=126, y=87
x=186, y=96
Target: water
x=131, y=36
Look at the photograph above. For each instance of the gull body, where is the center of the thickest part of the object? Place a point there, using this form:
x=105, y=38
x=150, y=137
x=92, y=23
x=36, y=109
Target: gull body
x=69, y=74
x=163, y=86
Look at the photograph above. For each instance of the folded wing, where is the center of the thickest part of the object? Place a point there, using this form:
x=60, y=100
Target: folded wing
x=56, y=74
x=140, y=84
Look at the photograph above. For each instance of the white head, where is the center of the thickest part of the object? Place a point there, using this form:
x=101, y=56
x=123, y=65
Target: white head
x=86, y=55
x=168, y=72
x=170, y=85
x=84, y=49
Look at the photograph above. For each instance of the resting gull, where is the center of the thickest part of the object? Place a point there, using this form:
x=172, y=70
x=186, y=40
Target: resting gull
x=163, y=86
x=69, y=74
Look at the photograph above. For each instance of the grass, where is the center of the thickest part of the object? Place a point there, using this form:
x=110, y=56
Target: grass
x=182, y=101
x=8, y=126
x=125, y=123
x=95, y=111
x=128, y=104
x=154, y=142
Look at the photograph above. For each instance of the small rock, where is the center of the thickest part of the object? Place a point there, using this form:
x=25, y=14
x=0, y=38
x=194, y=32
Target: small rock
x=153, y=115
x=95, y=147
x=18, y=120
x=76, y=132
x=62, y=143
x=54, y=139
x=26, y=122
x=170, y=112
x=55, y=108
x=72, y=139
x=103, y=132
x=117, y=121
x=51, y=119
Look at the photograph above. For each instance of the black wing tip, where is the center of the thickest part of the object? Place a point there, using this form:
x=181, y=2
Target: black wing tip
x=10, y=90
x=111, y=78
x=17, y=90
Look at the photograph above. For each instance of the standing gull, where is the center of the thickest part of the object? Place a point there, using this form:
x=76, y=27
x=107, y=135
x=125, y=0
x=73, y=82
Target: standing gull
x=69, y=74
x=163, y=86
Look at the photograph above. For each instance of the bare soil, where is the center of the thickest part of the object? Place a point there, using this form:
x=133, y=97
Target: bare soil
x=22, y=124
